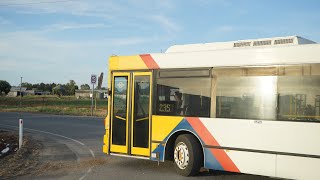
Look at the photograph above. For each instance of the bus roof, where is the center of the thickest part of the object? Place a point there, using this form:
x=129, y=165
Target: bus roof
x=281, y=51
x=275, y=41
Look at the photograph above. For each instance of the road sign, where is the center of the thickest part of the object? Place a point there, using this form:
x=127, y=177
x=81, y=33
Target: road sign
x=93, y=79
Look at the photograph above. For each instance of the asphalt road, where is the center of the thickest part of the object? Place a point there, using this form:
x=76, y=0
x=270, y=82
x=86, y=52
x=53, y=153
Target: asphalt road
x=73, y=150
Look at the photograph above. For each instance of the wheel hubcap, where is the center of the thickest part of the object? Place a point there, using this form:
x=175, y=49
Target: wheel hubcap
x=181, y=155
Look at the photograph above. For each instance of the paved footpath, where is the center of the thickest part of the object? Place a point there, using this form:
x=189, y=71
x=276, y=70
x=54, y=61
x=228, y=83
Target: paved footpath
x=74, y=144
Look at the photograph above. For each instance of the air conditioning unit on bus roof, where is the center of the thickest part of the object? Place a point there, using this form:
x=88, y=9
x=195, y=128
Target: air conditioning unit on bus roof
x=276, y=41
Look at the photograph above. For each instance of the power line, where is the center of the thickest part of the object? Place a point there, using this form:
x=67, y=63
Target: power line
x=42, y=2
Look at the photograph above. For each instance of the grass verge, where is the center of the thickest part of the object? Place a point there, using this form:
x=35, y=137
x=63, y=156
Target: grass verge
x=53, y=105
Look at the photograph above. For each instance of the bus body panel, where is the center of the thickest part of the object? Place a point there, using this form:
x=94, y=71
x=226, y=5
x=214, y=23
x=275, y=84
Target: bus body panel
x=254, y=163
x=277, y=136
x=246, y=146
x=293, y=167
x=105, y=147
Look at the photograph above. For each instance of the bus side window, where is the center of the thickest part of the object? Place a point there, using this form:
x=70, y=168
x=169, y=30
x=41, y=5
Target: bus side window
x=183, y=96
x=289, y=92
x=299, y=92
x=247, y=97
x=246, y=92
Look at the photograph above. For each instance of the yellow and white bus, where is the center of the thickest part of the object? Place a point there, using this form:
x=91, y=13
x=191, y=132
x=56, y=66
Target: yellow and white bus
x=249, y=106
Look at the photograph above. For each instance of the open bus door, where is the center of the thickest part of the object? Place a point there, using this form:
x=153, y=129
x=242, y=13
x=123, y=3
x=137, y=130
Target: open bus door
x=131, y=113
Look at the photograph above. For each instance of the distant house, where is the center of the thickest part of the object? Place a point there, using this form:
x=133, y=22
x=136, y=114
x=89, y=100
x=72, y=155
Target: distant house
x=83, y=94
x=37, y=92
x=15, y=91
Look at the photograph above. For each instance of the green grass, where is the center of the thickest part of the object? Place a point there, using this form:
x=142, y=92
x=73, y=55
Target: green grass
x=67, y=105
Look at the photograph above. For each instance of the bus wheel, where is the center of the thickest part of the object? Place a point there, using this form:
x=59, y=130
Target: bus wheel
x=187, y=155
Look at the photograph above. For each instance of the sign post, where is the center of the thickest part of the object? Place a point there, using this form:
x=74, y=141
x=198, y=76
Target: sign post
x=93, y=81
x=20, y=132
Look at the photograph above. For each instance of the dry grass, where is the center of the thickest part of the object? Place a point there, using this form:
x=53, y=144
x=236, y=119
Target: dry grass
x=53, y=105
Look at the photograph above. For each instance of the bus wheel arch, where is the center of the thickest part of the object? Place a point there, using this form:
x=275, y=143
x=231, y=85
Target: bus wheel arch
x=170, y=145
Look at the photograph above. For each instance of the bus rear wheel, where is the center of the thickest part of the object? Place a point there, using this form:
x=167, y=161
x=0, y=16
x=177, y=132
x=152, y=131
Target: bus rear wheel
x=187, y=155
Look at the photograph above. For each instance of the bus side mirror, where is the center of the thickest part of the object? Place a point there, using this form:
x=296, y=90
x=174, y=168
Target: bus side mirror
x=109, y=92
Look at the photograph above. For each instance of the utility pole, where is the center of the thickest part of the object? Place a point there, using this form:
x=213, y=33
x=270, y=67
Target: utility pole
x=20, y=93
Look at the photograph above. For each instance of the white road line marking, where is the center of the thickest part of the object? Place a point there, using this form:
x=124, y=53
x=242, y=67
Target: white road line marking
x=50, y=134
x=56, y=135
x=89, y=170
x=92, y=153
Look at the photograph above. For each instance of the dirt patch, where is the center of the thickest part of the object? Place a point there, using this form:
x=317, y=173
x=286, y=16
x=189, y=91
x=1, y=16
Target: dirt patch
x=30, y=162
x=68, y=166
x=18, y=162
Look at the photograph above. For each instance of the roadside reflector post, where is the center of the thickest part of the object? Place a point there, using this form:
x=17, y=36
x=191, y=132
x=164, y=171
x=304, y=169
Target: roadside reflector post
x=20, y=132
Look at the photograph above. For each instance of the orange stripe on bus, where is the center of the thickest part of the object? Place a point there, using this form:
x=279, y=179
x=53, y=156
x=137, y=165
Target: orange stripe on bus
x=208, y=139
x=149, y=61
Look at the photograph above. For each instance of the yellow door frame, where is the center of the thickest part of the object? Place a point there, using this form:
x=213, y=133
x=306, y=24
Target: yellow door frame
x=138, y=150
x=113, y=147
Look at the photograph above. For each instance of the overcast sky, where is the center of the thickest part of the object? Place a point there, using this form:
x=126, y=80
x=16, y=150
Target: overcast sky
x=58, y=40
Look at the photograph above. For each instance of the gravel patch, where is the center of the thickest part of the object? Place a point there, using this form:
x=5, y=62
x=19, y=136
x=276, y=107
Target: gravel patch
x=16, y=162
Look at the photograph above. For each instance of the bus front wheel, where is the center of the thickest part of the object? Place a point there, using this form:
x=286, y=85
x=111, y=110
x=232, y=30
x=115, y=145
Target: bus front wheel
x=187, y=155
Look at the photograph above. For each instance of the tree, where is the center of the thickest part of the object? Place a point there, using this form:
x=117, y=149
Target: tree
x=27, y=85
x=72, y=83
x=71, y=87
x=100, y=79
x=85, y=87
x=41, y=87
x=58, y=90
x=4, y=87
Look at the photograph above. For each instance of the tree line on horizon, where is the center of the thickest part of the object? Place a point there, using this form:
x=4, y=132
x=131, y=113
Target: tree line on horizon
x=59, y=89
